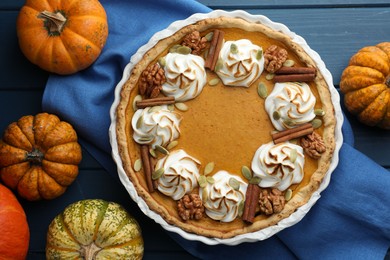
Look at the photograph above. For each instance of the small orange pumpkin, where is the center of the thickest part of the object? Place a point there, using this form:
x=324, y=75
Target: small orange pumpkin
x=14, y=230
x=62, y=36
x=39, y=156
x=366, y=85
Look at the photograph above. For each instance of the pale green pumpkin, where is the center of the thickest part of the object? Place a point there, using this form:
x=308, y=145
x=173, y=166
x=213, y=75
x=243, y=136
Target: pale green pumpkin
x=94, y=229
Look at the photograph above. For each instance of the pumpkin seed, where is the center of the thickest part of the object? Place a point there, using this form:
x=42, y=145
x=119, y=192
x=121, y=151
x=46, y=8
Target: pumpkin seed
x=234, y=183
x=319, y=112
x=218, y=65
x=202, y=181
x=214, y=81
x=154, y=109
x=146, y=139
x=161, y=149
x=293, y=155
x=276, y=115
x=246, y=172
x=316, y=123
x=209, y=36
x=174, y=48
x=183, y=50
x=259, y=54
x=209, y=168
x=137, y=165
x=152, y=153
x=233, y=48
x=269, y=76
x=172, y=144
x=288, y=194
x=288, y=63
x=204, y=195
x=136, y=99
x=162, y=61
x=157, y=173
x=171, y=107
x=140, y=121
x=181, y=106
x=241, y=208
x=255, y=180
x=262, y=90
x=210, y=179
x=288, y=121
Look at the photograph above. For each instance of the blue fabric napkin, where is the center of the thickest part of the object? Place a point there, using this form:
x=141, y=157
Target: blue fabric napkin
x=350, y=221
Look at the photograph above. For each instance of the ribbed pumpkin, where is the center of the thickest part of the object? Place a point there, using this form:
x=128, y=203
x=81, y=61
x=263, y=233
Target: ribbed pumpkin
x=14, y=230
x=366, y=85
x=94, y=229
x=39, y=156
x=62, y=36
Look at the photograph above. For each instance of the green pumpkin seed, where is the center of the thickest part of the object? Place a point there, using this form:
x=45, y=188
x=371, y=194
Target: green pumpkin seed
x=246, y=172
x=181, y=106
x=172, y=144
x=209, y=36
x=288, y=122
x=209, y=168
x=137, y=165
x=293, y=155
x=288, y=63
x=183, y=50
x=161, y=149
x=218, y=65
x=157, y=173
x=288, y=194
x=152, y=153
x=202, y=181
x=146, y=139
x=174, y=48
x=233, y=48
x=241, y=208
x=210, y=179
x=171, y=107
x=319, y=112
x=259, y=54
x=262, y=90
x=204, y=195
x=269, y=76
x=214, y=81
x=316, y=123
x=136, y=99
x=276, y=115
x=154, y=109
x=255, y=180
x=162, y=61
x=235, y=184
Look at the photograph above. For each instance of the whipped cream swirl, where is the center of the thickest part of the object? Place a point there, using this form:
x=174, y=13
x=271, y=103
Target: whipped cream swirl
x=220, y=199
x=240, y=64
x=180, y=176
x=293, y=102
x=185, y=75
x=278, y=165
x=155, y=126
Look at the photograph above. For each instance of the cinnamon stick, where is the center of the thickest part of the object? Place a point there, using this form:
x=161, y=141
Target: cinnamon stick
x=215, y=48
x=292, y=133
x=294, y=77
x=145, y=157
x=251, y=201
x=155, y=102
x=296, y=70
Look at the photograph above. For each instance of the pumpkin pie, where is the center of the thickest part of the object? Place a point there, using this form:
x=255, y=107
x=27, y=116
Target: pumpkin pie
x=225, y=128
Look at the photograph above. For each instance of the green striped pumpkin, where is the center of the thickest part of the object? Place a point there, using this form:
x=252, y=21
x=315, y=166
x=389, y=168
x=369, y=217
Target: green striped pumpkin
x=94, y=229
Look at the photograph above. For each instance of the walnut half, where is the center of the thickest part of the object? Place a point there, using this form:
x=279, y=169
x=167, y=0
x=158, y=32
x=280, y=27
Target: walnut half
x=274, y=57
x=271, y=201
x=190, y=207
x=313, y=145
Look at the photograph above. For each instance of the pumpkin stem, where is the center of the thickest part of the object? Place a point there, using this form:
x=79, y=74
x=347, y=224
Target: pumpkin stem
x=54, y=22
x=89, y=252
x=35, y=156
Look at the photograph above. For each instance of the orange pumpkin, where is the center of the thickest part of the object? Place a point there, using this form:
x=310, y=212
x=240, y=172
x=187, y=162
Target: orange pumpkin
x=39, y=156
x=366, y=85
x=14, y=230
x=62, y=36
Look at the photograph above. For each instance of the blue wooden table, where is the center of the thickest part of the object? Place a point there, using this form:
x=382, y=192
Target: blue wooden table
x=335, y=29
